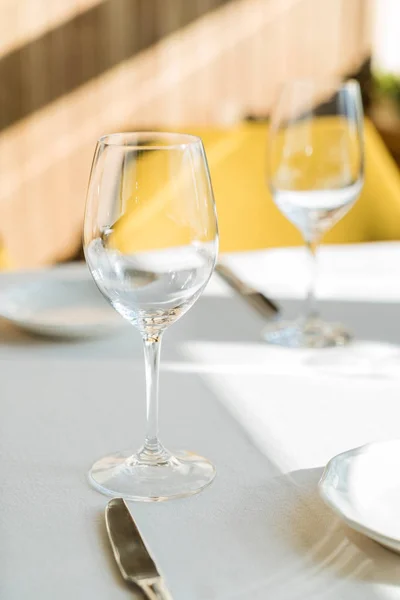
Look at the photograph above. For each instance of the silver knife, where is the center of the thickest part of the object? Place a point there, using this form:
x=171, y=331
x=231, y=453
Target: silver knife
x=263, y=305
x=133, y=558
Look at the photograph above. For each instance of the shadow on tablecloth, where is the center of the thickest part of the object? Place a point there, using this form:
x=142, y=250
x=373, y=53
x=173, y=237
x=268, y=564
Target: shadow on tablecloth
x=330, y=549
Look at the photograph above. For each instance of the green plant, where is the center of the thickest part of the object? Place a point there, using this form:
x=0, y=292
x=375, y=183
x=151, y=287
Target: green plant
x=387, y=84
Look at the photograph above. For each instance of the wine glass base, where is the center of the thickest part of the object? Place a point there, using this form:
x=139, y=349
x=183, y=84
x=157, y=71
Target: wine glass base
x=123, y=475
x=306, y=333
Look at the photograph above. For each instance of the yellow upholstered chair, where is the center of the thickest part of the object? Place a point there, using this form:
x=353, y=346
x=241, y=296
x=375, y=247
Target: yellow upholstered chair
x=4, y=262
x=249, y=219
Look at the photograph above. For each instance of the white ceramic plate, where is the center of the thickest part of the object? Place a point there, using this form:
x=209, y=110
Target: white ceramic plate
x=363, y=487
x=68, y=307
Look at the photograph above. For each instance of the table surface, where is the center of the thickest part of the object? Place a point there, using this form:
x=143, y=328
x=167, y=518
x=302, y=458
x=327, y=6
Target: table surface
x=269, y=418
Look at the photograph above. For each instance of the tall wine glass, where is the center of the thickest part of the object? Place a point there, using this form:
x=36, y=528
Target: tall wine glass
x=151, y=242
x=316, y=172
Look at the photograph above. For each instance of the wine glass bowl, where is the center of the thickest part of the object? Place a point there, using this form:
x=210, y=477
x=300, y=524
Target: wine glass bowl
x=151, y=242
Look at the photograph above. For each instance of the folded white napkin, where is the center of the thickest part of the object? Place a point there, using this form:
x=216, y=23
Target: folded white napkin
x=301, y=407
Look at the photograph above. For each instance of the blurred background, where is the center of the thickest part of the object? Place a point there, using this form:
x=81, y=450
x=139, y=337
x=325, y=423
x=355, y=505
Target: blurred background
x=72, y=70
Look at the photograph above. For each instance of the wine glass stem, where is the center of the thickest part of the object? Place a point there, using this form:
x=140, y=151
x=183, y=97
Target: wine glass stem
x=311, y=302
x=152, y=448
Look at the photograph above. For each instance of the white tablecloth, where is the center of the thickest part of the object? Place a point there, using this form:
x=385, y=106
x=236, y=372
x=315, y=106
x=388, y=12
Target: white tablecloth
x=268, y=418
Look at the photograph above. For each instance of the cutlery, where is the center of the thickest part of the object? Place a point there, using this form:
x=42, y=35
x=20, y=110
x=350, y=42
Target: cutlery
x=263, y=305
x=133, y=558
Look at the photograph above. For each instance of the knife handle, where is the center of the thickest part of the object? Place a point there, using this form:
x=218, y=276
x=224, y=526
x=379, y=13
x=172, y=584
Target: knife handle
x=260, y=302
x=155, y=590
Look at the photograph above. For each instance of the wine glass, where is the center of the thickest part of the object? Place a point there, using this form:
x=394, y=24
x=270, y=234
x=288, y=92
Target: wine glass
x=316, y=172
x=151, y=242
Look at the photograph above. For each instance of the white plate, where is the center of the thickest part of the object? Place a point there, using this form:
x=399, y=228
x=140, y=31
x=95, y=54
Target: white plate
x=68, y=307
x=363, y=487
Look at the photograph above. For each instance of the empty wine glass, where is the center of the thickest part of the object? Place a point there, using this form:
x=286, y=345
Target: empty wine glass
x=151, y=242
x=316, y=172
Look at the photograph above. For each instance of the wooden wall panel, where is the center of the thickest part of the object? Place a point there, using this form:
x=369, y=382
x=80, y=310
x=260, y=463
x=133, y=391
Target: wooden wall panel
x=215, y=69
x=84, y=47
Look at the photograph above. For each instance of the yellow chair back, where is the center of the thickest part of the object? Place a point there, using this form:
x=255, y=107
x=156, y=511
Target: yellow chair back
x=248, y=217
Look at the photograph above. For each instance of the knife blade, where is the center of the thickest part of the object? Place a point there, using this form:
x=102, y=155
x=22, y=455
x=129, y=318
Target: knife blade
x=132, y=557
x=263, y=305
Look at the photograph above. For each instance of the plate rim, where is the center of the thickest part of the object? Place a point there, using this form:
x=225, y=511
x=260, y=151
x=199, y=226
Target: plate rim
x=374, y=534
x=62, y=330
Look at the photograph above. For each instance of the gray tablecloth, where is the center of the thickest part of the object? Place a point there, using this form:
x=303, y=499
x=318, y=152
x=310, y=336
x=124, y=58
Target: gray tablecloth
x=260, y=531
